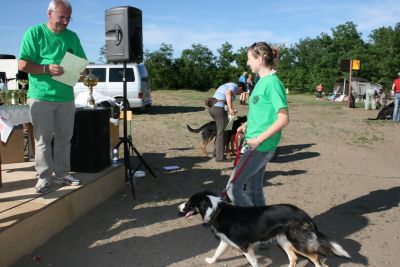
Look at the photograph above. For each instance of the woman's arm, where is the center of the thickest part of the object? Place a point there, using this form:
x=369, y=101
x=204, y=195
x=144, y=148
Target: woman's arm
x=229, y=102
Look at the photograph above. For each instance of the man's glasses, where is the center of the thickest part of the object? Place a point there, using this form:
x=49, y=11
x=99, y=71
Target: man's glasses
x=63, y=18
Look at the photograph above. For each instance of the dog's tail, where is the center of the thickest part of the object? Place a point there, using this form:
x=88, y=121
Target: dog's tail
x=198, y=129
x=330, y=248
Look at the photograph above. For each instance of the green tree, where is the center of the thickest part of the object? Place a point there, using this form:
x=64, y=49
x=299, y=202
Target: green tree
x=196, y=68
x=241, y=61
x=384, y=52
x=225, y=65
x=161, y=67
x=102, y=55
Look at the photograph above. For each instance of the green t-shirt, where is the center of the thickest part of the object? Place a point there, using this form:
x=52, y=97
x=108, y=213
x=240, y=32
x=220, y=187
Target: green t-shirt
x=267, y=98
x=42, y=46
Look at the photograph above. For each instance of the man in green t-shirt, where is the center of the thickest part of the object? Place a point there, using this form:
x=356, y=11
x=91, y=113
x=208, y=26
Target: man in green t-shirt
x=51, y=103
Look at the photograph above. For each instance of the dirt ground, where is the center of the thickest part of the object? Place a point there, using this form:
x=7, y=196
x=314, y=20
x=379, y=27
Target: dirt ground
x=334, y=163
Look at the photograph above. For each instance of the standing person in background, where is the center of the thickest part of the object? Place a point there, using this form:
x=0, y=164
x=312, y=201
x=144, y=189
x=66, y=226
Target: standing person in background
x=370, y=100
x=243, y=77
x=224, y=95
x=318, y=91
x=382, y=98
x=249, y=86
x=51, y=103
x=268, y=115
x=396, y=90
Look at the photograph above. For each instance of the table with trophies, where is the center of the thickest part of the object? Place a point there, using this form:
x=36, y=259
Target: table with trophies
x=14, y=111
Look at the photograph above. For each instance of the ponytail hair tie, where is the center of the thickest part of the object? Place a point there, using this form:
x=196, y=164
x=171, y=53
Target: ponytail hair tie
x=275, y=52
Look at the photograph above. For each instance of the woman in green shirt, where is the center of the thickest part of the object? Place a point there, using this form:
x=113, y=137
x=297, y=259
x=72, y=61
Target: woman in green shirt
x=268, y=115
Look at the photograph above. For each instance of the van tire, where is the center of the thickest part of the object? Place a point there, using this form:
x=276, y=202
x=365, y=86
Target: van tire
x=119, y=103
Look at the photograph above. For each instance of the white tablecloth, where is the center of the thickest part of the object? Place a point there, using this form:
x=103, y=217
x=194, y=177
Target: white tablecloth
x=10, y=116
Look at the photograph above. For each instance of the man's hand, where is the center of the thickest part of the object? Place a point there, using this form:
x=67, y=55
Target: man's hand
x=55, y=70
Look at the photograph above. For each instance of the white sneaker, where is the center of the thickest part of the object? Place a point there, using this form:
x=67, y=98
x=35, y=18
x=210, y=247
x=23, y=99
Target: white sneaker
x=67, y=180
x=42, y=186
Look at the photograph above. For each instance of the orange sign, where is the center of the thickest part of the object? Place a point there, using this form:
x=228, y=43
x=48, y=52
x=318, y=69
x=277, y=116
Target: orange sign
x=356, y=64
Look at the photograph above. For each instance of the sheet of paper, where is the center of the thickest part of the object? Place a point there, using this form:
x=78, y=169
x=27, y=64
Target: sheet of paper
x=73, y=66
x=228, y=127
x=171, y=168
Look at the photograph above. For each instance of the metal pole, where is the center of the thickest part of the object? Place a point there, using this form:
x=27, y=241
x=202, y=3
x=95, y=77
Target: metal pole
x=127, y=157
x=350, y=80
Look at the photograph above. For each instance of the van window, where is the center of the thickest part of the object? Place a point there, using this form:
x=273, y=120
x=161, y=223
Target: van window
x=143, y=73
x=100, y=73
x=116, y=75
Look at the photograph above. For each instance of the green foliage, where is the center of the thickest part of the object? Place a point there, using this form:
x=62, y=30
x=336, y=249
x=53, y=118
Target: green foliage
x=301, y=66
x=162, y=66
x=196, y=68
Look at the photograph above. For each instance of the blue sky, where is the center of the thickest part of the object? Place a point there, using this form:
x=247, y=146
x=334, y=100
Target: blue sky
x=182, y=23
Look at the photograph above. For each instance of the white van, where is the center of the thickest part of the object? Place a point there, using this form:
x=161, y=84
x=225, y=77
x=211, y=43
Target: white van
x=110, y=83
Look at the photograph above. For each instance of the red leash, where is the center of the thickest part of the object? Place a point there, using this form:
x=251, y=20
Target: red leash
x=224, y=193
x=238, y=149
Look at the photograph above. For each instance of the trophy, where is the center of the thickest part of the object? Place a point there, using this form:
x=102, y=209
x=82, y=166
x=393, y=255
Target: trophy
x=14, y=97
x=23, y=83
x=22, y=97
x=7, y=97
x=90, y=81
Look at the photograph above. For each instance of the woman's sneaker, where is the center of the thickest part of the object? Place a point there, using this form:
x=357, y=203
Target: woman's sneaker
x=67, y=180
x=42, y=186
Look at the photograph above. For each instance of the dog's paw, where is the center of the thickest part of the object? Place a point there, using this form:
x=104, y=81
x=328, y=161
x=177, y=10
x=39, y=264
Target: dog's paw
x=210, y=260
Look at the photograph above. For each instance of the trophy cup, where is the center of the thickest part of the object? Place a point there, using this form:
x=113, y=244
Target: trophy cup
x=23, y=83
x=14, y=97
x=7, y=97
x=23, y=92
x=22, y=97
x=90, y=81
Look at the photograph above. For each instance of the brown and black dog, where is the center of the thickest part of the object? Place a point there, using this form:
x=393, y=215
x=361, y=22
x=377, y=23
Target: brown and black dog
x=385, y=113
x=209, y=132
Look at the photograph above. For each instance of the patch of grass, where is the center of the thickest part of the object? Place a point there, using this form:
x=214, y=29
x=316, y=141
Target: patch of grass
x=307, y=99
x=190, y=94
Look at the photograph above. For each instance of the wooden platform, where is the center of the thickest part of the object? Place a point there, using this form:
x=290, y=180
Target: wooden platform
x=29, y=219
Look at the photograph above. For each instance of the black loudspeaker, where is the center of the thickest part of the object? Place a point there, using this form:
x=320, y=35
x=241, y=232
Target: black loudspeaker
x=90, y=144
x=124, y=40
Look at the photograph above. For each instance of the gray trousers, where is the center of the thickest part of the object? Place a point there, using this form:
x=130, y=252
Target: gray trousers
x=247, y=190
x=52, y=119
x=220, y=117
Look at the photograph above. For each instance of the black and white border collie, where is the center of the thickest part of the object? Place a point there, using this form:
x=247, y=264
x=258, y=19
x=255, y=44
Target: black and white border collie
x=243, y=227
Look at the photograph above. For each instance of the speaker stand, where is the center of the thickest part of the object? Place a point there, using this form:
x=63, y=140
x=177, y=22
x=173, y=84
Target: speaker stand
x=127, y=141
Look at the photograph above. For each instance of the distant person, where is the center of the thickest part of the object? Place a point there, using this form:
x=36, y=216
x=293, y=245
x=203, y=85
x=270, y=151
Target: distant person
x=318, y=91
x=382, y=98
x=244, y=97
x=243, y=77
x=396, y=90
x=51, y=103
x=370, y=100
x=268, y=115
x=225, y=95
x=249, y=86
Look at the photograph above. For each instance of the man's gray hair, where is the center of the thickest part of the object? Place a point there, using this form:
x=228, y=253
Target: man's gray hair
x=54, y=3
